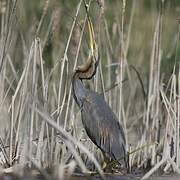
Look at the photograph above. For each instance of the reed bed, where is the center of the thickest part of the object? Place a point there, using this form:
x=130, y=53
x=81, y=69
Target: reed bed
x=41, y=125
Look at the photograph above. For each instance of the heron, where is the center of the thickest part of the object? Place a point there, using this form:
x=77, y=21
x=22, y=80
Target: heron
x=98, y=119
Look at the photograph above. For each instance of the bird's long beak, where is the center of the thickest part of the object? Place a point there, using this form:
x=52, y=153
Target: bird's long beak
x=92, y=41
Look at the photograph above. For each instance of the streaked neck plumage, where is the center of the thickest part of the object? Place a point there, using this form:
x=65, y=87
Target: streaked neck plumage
x=85, y=71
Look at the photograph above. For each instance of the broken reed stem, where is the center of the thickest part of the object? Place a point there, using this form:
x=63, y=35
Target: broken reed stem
x=70, y=138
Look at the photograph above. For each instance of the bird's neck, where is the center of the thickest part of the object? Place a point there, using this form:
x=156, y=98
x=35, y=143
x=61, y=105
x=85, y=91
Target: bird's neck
x=79, y=91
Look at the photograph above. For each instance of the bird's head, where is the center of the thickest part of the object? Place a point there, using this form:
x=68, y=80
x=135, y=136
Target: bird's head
x=88, y=69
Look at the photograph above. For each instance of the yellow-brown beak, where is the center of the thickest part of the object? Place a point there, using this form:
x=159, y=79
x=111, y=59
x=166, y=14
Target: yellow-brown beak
x=92, y=41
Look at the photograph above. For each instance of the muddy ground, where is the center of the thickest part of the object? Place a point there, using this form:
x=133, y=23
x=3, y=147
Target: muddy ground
x=82, y=177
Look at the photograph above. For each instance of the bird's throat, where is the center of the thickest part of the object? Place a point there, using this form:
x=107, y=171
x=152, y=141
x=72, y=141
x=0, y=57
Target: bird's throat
x=79, y=91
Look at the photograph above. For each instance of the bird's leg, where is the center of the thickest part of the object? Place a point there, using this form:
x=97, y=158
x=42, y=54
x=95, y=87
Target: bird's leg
x=108, y=164
x=111, y=166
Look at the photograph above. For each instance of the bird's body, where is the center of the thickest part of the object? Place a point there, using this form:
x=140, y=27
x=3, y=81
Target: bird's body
x=100, y=122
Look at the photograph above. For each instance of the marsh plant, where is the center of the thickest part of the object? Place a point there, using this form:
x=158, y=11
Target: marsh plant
x=41, y=44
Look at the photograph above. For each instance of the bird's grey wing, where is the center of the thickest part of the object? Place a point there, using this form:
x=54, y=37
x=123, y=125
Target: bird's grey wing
x=102, y=127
